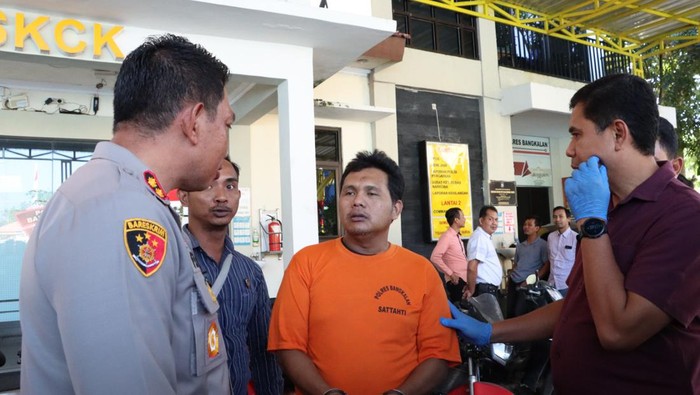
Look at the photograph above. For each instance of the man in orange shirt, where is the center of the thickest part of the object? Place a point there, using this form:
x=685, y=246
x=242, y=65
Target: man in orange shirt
x=359, y=314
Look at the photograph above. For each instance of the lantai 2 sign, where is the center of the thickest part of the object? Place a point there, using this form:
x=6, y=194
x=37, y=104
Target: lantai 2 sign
x=447, y=168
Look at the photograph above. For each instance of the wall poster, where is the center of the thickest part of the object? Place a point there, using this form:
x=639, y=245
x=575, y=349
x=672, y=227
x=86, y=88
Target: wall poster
x=447, y=168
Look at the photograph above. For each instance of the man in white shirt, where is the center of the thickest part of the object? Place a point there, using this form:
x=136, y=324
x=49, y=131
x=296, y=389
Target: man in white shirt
x=562, y=249
x=484, y=270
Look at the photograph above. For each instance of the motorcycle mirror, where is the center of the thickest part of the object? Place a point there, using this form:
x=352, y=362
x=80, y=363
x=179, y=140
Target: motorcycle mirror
x=531, y=279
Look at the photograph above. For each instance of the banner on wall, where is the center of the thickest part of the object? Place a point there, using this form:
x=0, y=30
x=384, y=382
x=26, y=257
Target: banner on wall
x=531, y=161
x=447, y=169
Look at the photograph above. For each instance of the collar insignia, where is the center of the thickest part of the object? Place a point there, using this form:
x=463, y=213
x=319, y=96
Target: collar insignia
x=153, y=184
x=146, y=243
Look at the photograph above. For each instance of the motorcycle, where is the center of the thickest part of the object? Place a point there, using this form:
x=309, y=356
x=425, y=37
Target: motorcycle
x=536, y=375
x=498, y=368
x=479, y=362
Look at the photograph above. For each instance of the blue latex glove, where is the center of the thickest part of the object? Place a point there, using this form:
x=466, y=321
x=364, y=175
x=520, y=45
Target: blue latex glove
x=474, y=331
x=588, y=191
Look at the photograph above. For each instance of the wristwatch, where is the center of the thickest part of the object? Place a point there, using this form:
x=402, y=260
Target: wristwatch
x=593, y=228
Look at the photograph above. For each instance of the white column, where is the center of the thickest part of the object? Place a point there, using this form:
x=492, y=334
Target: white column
x=298, y=161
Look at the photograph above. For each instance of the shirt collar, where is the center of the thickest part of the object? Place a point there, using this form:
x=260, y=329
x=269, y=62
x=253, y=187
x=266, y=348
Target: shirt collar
x=131, y=165
x=480, y=229
x=652, y=187
x=452, y=230
x=194, y=243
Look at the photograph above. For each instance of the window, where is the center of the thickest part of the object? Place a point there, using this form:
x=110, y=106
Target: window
x=30, y=172
x=436, y=29
x=328, y=172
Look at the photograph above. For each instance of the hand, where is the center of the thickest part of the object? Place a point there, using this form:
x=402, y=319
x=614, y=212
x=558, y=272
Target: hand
x=454, y=278
x=466, y=293
x=473, y=331
x=588, y=191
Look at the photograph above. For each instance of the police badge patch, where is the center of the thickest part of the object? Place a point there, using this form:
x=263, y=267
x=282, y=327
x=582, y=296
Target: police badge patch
x=146, y=243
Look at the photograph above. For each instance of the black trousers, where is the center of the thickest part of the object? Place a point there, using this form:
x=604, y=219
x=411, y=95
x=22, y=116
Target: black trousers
x=484, y=288
x=515, y=300
x=455, y=291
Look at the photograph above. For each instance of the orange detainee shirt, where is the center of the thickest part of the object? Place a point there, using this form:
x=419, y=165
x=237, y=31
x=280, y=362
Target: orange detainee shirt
x=365, y=321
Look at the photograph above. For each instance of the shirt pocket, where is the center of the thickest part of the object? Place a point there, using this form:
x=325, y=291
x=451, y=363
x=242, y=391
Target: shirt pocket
x=570, y=252
x=209, y=349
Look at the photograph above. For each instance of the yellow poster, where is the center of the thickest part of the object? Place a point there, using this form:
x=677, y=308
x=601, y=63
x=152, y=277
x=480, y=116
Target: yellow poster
x=448, y=183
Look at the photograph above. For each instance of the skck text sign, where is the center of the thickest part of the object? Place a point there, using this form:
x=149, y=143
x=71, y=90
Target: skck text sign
x=70, y=36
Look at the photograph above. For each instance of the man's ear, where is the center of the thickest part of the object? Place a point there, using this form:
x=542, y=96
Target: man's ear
x=184, y=197
x=190, y=120
x=396, y=209
x=621, y=133
x=677, y=164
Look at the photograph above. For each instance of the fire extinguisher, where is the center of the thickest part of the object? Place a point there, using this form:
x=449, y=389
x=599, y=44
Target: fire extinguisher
x=274, y=232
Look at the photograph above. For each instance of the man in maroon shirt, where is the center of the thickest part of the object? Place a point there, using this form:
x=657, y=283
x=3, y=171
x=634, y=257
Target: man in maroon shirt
x=631, y=320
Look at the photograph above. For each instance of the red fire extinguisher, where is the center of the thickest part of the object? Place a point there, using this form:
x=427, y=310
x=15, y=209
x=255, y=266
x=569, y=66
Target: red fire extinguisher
x=274, y=231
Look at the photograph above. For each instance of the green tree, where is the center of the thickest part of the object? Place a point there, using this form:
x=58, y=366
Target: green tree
x=676, y=79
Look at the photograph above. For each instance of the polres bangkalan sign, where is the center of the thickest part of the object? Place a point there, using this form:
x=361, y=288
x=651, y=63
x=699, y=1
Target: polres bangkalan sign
x=531, y=161
x=447, y=169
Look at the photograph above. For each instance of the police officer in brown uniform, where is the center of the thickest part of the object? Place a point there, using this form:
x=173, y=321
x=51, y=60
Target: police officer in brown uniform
x=111, y=300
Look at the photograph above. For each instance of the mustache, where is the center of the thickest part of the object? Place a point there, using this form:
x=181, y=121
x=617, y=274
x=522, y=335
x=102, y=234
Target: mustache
x=220, y=207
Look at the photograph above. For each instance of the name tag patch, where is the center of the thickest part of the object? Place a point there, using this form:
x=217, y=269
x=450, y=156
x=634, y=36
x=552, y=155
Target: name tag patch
x=213, y=340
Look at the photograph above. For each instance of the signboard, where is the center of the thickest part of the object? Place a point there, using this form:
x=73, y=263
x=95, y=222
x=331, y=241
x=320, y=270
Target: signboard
x=447, y=168
x=503, y=193
x=531, y=161
x=28, y=218
x=241, y=222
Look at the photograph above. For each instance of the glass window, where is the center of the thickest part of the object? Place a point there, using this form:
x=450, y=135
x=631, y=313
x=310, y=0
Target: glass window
x=422, y=34
x=30, y=173
x=328, y=171
x=327, y=146
x=326, y=199
x=436, y=29
x=448, y=39
x=419, y=9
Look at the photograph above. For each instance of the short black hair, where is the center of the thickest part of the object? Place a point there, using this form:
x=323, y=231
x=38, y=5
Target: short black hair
x=668, y=139
x=536, y=218
x=626, y=97
x=485, y=209
x=378, y=160
x=566, y=210
x=237, y=168
x=161, y=76
x=451, y=214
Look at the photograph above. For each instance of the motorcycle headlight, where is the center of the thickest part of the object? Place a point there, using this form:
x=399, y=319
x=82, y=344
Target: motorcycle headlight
x=501, y=352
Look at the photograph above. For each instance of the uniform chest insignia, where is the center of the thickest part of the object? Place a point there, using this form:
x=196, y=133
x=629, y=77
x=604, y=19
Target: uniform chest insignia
x=146, y=243
x=211, y=293
x=213, y=340
x=153, y=184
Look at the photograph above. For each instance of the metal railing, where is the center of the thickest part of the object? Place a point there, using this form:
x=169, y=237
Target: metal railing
x=531, y=51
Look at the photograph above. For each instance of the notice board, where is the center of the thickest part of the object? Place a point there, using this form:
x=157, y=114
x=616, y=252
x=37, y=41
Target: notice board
x=447, y=170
